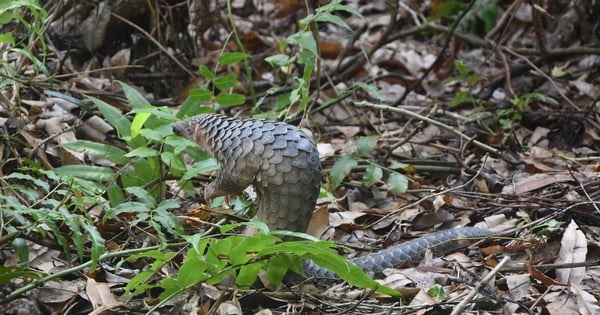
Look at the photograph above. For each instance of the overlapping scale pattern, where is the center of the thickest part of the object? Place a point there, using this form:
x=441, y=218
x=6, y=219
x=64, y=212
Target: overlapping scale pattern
x=278, y=159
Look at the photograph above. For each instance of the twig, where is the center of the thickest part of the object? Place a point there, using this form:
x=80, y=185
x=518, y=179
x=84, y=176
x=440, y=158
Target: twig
x=402, y=111
x=440, y=56
x=461, y=306
x=543, y=74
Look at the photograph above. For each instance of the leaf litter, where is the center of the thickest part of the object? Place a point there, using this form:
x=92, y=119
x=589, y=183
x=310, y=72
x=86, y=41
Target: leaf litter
x=539, y=194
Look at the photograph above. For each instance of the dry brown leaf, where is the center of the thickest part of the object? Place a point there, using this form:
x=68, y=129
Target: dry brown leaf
x=573, y=249
x=536, y=181
x=319, y=223
x=99, y=294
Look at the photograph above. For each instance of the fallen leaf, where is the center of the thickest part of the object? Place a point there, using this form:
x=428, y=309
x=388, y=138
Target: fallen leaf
x=573, y=249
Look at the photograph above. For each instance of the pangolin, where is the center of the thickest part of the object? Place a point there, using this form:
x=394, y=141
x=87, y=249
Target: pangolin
x=283, y=165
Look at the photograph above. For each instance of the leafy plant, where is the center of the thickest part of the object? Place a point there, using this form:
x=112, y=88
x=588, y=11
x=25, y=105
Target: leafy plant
x=301, y=50
x=210, y=260
x=469, y=79
x=11, y=13
x=486, y=12
x=512, y=114
x=396, y=182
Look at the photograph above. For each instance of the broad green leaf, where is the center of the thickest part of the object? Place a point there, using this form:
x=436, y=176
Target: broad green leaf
x=202, y=166
x=74, y=223
x=226, y=82
x=349, y=9
x=245, y=250
x=19, y=245
x=7, y=38
x=340, y=169
x=373, y=174
x=395, y=165
x=115, y=194
x=205, y=72
x=198, y=242
x=143, y=152
x=323, y=255
x=365, y=145
x=248, y=274
x=232, y=57
x=138, y=123
x=280, y=60
x=100, y=150
x=126, y=207
x=142, y=195
x=307, y=41
x=397, y=183
x=279, y=265
x=200, y=95
x=138, y=284
x=114, y=117
x=331, y=18
x=133, y=96
x=36, y=181
x=96, y=173
x=97, y=242
x=230, y=99
x=192, y=271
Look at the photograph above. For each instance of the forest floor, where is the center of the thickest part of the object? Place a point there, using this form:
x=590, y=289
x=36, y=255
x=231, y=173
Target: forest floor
x=427, y=117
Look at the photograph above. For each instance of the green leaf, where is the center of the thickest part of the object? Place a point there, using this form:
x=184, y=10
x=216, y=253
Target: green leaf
x=69, y=99
x=138, y=123
x=304, y=39
x=226, y=82
x=248, y=274
x=437, y=292
x=280, y=60
x=96, y=173
x=205, y=72
x=114, y=117
x=20, y=247
x=13, y=272
x=231, y=99
x=115, y=194
x=201, y=167
x=279, y=265
x=97, y=242
x=349, y=9
x=340, y=169
x=200, y=95
x=7, y=38
x=100, y=150
x=232, y=57
x=142, y=195
x=395, y=165
x=373, y=174
x=371, y=89
x=365, y=145
x=143, y=152
x=323, y=255
x=331, y=18
x=133, y=96
x=397, y=183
